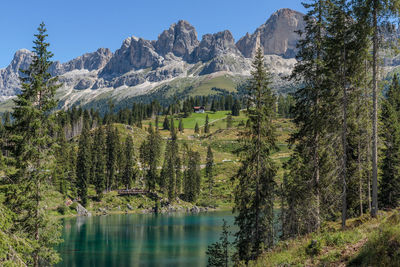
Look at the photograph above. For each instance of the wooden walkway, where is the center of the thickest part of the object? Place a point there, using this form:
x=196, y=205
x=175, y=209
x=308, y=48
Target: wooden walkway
x=133, y=191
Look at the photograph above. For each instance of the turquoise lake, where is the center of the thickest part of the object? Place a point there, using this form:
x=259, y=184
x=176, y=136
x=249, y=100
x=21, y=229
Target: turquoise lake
x=178, y=239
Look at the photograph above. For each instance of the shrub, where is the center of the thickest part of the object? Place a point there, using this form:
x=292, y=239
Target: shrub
x=382, y=248
x=210, y=203
x=62, y=209
x=314, y=248
x=334, y=239
x=73, y=206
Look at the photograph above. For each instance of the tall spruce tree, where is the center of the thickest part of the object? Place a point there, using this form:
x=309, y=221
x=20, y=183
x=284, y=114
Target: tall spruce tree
x=156, y=123
x=196, y=128
x=61, y=170
x=83, y=164
x=229, y=122
x=192, y=177
x=206, y=125
x=181, y=127
x=166, y=123
x=390, y=184
x=129, y=170
x=209, y=170
x=178, y=176
x=254, y=194
x=236, y=108
x=100, y=161
x=33, y=149
x=171, y=157
x=121, y=160
x=150, y=151
x=311, y=152
x=111, y=159
x=376, y=12
x=219, y=252
x=346, y=39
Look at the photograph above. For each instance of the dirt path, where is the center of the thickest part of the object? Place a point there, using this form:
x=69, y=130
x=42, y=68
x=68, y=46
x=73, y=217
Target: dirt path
x=350, y=251
x=210, y=122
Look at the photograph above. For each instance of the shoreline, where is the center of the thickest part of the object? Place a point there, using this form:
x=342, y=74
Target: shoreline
x=141, y=211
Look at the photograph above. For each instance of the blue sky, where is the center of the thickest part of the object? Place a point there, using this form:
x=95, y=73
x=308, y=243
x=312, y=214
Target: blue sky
x=79, y=26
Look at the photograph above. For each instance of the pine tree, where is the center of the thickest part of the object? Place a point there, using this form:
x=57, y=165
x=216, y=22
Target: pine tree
x=150, y=151
x=178, y=176
x=196, y=128
x=156, y=123
x=206, y=125
x=376, y=11
x=254, y=194
x=171, y=174
x=214, y=105
x=346, y=39
x=209, y=170
x=166, y=123
x=129, y=171
x=60, y=175
x=32, y=150
x=16, y=249
x=99, y=163
x=236, y=108
x=311, y=151
x=229, y=122
x=121, y=160
x=83, y=164
x=390, y=184
x=111, y=158
x=171, y=157
x=192, y=177
x=218, y=252
x=181, y=127
x=2, y=135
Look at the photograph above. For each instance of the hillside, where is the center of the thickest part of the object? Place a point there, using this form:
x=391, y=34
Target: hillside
x=223, y=142
x=365, y=242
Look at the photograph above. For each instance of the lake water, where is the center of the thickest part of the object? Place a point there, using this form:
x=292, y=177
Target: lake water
x=177, y=239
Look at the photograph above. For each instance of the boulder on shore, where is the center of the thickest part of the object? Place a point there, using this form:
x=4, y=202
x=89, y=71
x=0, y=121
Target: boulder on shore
x=195, y=209
x=82, y=211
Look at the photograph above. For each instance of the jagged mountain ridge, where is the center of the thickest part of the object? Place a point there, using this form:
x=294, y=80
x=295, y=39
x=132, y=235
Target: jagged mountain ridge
x=141, y=66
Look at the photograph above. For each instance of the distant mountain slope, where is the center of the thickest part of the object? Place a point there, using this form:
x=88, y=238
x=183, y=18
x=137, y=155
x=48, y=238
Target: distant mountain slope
x=177, y=60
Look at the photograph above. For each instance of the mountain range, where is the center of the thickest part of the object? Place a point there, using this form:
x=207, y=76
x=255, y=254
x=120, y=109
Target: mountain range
x=176, y=63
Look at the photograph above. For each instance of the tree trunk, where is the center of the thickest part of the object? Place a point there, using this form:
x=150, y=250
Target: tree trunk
x=368, y=176
x=344, y=143
x=257, y=200
x=344, y=132
x=36, y=256
x=374, y=209
x=316, y=137
x=360, y=177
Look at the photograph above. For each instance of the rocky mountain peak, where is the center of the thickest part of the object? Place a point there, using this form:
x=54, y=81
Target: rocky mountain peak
x=180, y=39
x=9, y=77
x=276, y=36
x=135, y=53
x=214, y=45
x=21, y=60
x=89, y=61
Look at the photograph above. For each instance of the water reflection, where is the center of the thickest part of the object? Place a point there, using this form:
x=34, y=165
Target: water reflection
x=140, y=240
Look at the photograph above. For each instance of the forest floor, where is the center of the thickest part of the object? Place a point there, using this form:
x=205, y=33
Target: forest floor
x=365, y=241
